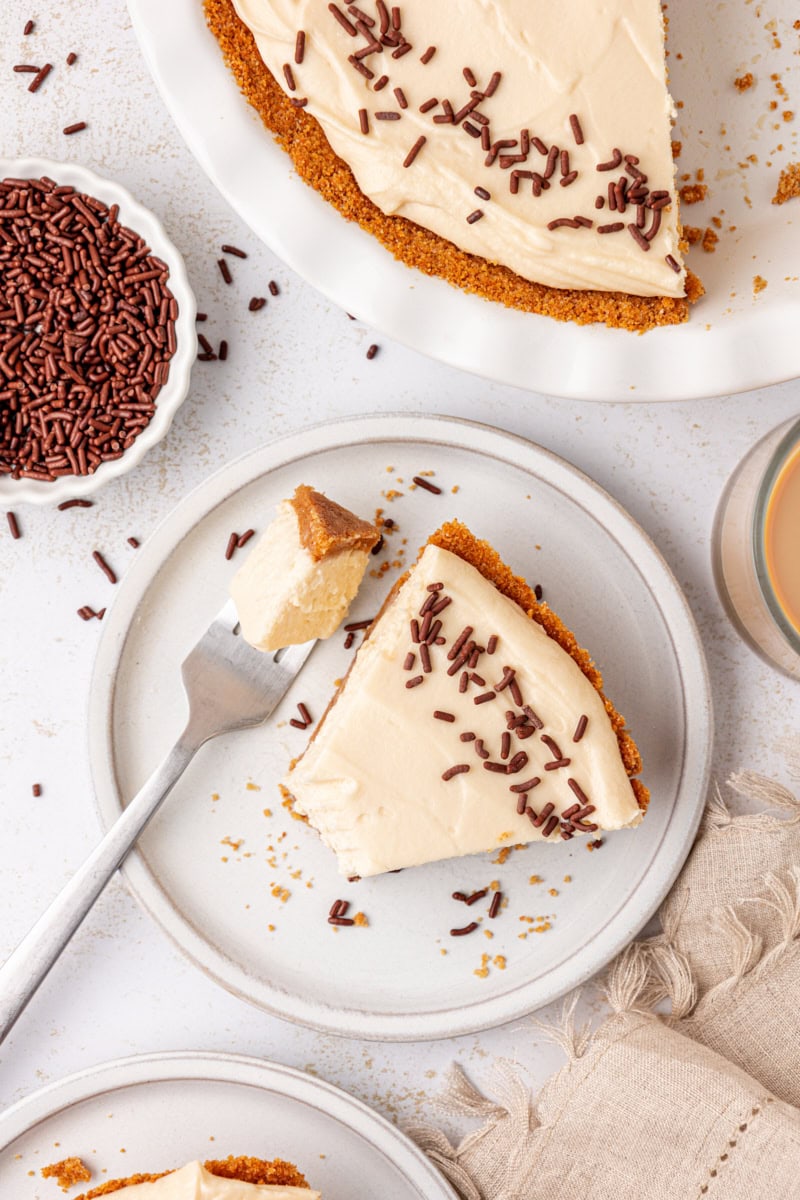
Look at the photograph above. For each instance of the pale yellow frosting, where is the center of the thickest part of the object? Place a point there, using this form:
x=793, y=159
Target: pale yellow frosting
x=600, y=60
x=371, y=780
x=194, y=1182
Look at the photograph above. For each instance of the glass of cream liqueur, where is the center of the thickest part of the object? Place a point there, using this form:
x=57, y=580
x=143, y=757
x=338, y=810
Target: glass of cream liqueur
x=756, y=547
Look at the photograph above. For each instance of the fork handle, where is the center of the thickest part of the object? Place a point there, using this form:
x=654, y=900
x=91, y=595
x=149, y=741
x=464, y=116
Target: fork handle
x=27, y=966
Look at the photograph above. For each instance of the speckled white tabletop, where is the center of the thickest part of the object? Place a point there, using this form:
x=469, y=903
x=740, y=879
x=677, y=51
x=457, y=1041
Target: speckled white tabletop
x=122, y=988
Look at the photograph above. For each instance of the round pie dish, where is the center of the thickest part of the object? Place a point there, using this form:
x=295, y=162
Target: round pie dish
x=143, y=222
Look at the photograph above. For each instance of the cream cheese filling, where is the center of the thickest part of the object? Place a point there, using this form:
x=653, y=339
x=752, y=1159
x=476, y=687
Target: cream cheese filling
x=374, y=780
x=194, y=1182
x=602, y=62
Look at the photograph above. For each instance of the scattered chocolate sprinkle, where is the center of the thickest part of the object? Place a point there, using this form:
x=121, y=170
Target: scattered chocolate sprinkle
x=427, y=56
x=409, y=660
x=440, y=605
x=474, y=216
x=434, y=587
x=355, y=626
x=233, y=542
x=40, y=77
x=552, y=746
x=376, y=549
x=86, y=613
x=224, y=270
x=562, y=221
x=104, y=567
x=543, y=815
x=455, y=649
x=72, y=58
x=537, y=591
x=478, y=679
x=428, y=105
x=494, y=907
x=463, y=682
x=550, y=826
x=371, y=351
x=516, y=694
x=37, y=790
x=400, y=97
x=300, y=46
x=201, y=316
x=505, y=745
x=425, y=657
x=77, y=127
x=556, y=764
x=519, y=761
x=527, y=786
x=415, y=682
x=25, y=69
x=474, y=897
x=532, y=717
x=65, y=504
x=426, y=485
x=491, y=645
x=257, y=303
x=499, y=768
x=13, y=525
x=304, y=713
x=134, y=543
x=613, y=163
x=482, y=193
x=443, y=716
x=299, y=103
x=578, y=791
x=273, y=288
x=29, y=28
x=348, y=641
x=671, y=262
x=459, y=769
x=580, y=728
x=467, y=736
x=473, y=925
x=485, y=697
x=508, y=675
x=472, y=130
x=339, y=907
x=346, y=25
x=577, y=132
x=341, y=921
x=522, y=803
x=234, y=250
x=387, y=116
x=293, y=721
x=459, y=896
x=638, y=237
x=480, y=749
x=614, y=227
x=223, y=350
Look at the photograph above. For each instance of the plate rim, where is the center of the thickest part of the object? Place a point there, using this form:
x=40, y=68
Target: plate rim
x=343, y=263
x=461, y=434
x=222, y=1067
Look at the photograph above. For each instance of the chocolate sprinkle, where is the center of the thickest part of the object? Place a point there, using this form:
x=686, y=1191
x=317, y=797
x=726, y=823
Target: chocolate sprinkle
x=426, y=485
x=494, y=907
x=224, y=270
x=13, y=525
x=300, y=47
x=363, y=119
x=473, y=925
x=577, y=132
x=474, y=897
x=76, y=128
x=459, y=769
x=415, y=682
x=443, y=716
x=580, y=728
x=104, y=567
x=65, y=504
x=37, y=790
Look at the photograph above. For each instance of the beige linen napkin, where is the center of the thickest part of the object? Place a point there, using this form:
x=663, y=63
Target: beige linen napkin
x=695, y=1104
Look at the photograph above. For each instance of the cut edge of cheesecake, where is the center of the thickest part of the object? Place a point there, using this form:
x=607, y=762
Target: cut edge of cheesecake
x=326, y=528
x=260, y=1171
x=301, y=136
x=455, y=537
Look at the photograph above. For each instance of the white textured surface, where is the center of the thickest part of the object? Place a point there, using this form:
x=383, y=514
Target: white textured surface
x=122, y=988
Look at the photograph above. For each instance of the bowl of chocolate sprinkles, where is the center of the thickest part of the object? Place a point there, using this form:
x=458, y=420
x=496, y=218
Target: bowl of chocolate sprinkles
x=97, y=331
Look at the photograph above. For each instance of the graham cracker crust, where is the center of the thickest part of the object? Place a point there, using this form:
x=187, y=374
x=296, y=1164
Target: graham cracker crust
x=248, y=1170
x=301, y=136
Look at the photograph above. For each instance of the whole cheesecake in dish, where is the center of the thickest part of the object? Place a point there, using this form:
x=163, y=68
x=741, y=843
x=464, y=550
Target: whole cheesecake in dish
x=220, y=1179
x=519, y=148
x=299, y=579
x=470, y=720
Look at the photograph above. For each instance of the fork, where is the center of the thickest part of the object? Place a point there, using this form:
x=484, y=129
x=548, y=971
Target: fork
x=229, y=685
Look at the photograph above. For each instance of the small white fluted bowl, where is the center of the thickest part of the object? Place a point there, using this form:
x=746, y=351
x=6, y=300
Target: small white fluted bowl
x=173, y=393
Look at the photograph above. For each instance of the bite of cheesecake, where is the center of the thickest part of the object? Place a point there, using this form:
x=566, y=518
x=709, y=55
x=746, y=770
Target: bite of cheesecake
x=301, y=576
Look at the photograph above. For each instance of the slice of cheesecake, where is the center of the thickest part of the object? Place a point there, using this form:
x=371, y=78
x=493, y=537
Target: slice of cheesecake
x=470, y=719
x=223, y=1179
x=299, y=579
x=523, y=142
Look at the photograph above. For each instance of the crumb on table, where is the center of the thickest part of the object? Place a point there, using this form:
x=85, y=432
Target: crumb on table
x=788, y=184
x=67, y=1173
x=744, y=82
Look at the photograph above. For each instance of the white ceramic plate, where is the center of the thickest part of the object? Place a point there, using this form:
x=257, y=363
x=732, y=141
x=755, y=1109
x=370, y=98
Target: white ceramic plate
x=227, y=1105
x=173, y=393
x=207, y=867
x=734, y=341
